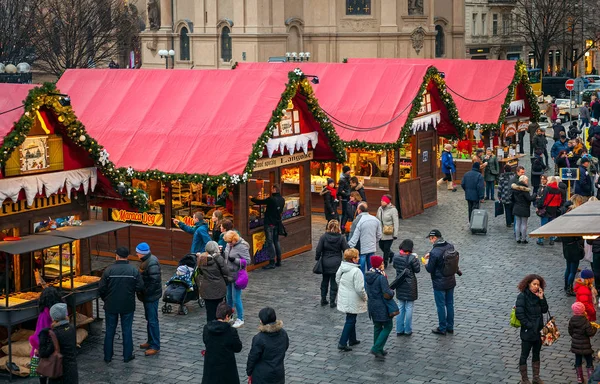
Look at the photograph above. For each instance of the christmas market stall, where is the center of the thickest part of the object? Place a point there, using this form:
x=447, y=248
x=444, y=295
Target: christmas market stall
x=49, y=167
x=205, y=141
x=494, y=103
x=389, y=117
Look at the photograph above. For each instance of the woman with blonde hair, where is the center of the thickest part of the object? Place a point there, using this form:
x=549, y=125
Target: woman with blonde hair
x=352, y=297
x=522, y=199
x=332, y=245
x=237, y=257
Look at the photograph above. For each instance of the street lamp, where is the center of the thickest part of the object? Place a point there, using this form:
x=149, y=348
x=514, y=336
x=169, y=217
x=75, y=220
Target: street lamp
x=294, y=56
x=163, y=53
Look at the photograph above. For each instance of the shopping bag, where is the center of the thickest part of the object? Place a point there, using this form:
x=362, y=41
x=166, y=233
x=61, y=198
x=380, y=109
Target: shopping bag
x=550, y=332
x=514, y=322
x=498, y=208
x=33, y=366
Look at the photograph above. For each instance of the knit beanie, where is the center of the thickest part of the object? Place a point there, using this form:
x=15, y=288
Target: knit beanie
x=142, y=249
x=376, y=261
x=578, y=308
x=58, y=312
x=587, y=274
x=386, y=199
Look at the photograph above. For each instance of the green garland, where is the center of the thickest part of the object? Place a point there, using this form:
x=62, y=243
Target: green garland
x=45, y=97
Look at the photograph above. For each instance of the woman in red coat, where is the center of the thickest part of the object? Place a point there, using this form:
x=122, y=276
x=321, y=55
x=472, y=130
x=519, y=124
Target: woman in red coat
x=586, y=293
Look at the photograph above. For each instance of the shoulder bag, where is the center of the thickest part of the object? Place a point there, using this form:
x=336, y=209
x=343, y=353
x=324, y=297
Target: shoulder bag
x=318, y=268
x=549, y=332
x=52, y=366
x=541, y=212
x=514, y=322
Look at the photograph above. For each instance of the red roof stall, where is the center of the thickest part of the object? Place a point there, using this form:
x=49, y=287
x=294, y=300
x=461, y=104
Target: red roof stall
x=494, y=100
x=205, y=141
x=389, y=117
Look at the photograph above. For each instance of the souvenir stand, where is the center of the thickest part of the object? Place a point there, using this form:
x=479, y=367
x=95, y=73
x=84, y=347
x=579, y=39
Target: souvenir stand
x=217, y=139
x=389, y=117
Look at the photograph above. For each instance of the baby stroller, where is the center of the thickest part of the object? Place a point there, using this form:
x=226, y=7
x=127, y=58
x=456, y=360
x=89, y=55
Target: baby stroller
x=182, y=287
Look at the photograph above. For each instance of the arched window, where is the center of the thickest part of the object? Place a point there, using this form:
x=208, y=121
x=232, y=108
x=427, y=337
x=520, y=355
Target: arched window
x=439, y=41
x=225, y=44
x=184, y=45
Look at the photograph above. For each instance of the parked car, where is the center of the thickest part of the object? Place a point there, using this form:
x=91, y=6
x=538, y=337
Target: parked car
x=555, y=86
x=592, y=78
x=592, y=89
x=564, y=112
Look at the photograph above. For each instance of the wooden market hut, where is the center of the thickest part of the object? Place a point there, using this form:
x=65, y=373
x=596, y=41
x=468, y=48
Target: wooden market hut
x=204, y=141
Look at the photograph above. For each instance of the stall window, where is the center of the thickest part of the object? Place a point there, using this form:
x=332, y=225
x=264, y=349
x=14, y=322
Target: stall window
x=192, y=197
x=291, y=190
x=319, y=173
x=259, y=187
x=371, y=167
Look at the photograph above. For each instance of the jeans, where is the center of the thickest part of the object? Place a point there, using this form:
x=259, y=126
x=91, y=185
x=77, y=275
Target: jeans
x=381, y=331
x=211, y=308
x=584, y=122
x=521, y=142
x=526, y=348
x=596, y=269
x=543, y=221
x=272, y=243
x=570, y=273
x=508, y=215
x=386, y=246
x=111, y=328
x=329, y=282
x=444, y=301
x=404, y=318
x=489, y=190
x=151, y=315
x=521, y=228
x=365, y=261
x=472, y=205
x=589, y=361
x=349, y=331
x=344, y=215
x=234, y=300
x=546, y=157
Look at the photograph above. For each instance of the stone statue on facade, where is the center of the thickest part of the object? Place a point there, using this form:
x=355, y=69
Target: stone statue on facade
x=417, y=38
x=415, y=7
x=154, y=14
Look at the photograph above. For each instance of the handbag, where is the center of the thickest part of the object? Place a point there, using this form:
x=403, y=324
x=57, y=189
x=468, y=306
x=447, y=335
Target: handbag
x=399, y=279
x=318, y=268
x=498, y=208
x=388, y=229
x=549, y=332
x=33, y=364
x=541, y=212
x=242, y=280
x=51, y=366
x=514, y=322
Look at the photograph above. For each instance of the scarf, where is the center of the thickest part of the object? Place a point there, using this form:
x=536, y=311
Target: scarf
x=377, y=270
x=333, y=192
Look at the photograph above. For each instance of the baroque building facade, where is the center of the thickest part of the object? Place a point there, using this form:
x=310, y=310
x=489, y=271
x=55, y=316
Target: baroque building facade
x=218, y=33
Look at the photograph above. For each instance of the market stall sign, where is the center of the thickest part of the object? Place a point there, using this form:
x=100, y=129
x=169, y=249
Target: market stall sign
x=10, y=208
x=273, y=162
x=145, y=218
x=523, y=126
x=569, y=173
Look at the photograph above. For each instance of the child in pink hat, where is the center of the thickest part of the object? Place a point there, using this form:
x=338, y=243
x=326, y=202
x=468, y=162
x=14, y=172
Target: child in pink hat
x=581, y=330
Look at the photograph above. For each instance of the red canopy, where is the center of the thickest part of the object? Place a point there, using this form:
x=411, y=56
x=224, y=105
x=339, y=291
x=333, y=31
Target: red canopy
x=361, y=95
x=486, y=80
x=177, y=121
x=12, y=96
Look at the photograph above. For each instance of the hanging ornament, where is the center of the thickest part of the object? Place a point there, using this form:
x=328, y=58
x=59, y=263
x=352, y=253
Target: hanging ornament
x=130, y=172
x=82, y=138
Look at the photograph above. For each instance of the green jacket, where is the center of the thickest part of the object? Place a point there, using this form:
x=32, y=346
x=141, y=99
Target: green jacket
x=492, y=170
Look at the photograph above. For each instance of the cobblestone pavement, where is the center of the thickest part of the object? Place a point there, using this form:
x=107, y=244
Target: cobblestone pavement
x=484, y=349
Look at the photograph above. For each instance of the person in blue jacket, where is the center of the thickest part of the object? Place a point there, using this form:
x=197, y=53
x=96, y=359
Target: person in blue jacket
x=199, y=231
x=560, y=145
x=474, y=187
x=584, y=186
x=448, y=167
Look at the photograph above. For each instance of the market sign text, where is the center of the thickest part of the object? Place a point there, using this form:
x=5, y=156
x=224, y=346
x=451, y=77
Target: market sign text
x=144, y=218
x=10, y=208
x=277, y=161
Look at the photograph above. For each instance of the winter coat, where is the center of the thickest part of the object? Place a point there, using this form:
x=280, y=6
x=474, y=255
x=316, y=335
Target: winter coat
x=351, y=208
x=352, y=297
x=573, y=248
x=343, y=192
x=408, y=290
x=368, y=232
x=361, y=191
x=559, y=146
x=213, y=276
x=504, y=191
x=595, y=148
x=331, y=248
x=275, y=204
x=200, y=235
x=557, y=128
x=265, y=359
x=540, y=142
x=150, y=271
x=584, y=186
x=595, y=245
x=584, y=113
x=521, y=199
x=447, y=162
x=221, y=342
x=473, y=185
x=581, y=330
x=583, y=294
x=529, y=311
x=436, y=265
x=492, y=170
x=388, y=215
x=67, y=342
x=532, y=129
x=329, y=204
x=233, y=254
x=551, y=198
x=118, y=286
x=377, y=286
x=44, y=321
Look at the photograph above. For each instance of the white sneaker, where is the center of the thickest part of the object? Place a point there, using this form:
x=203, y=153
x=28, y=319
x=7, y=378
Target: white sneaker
x=238, y=323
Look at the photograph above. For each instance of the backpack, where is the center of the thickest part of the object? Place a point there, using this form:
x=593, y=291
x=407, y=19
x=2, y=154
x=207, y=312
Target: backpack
x=450, y=259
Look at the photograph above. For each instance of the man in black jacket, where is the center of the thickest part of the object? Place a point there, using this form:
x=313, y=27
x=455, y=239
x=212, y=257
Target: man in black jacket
x=117, y=289
x=272, y=224
x=343, y=194
x=150, y=271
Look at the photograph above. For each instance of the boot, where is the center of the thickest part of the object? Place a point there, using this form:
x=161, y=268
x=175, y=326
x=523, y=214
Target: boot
x=524, y=378
x=536, y=373
x=324, y=301
x=271, y=265
x=579, y=371
x=439, y=182
x=570, y=292
x=590, y=373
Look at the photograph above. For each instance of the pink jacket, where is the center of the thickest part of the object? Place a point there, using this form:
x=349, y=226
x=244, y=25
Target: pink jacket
x=44, y=321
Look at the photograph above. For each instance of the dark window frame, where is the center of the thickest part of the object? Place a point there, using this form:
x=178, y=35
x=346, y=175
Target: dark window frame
x=358, y=8
x=226, y=51
x=184, y=45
